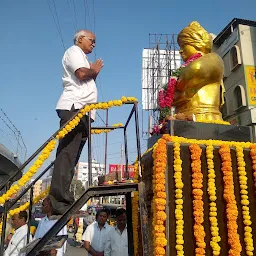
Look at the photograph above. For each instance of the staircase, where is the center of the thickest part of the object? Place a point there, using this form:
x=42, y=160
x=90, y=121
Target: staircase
x=97, y=191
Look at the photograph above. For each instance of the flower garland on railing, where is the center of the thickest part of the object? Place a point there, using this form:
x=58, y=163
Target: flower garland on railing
x=26, y=205
x=177, y=166
x=32, y=170
x=99, y=131
x=159, y=199
x=100, y=105
x=229, y=197
x=253, y=157
x=198, y=203
x=244, y=201
x=51, y=145
x=215, y=239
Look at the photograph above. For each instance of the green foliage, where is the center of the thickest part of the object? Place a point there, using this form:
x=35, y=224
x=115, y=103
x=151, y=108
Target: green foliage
x=164, y=112
x=77, y=188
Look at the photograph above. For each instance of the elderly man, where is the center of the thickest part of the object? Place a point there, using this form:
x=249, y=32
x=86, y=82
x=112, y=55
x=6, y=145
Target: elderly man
x=79, y=89
x=117, y=241
x=95, y=236
x=19, y=238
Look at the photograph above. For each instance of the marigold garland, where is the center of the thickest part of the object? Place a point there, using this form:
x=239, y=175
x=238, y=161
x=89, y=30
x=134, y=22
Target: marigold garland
x=253, y=157
x=215, y=238
x=177, y=166
x=212, y=121
x=135, y=221
x=32, y=170
x=198, y=203
x=159, y=198
x=51, y=145
x=244, y=201
x=159, y=202
x=229, y=197
x=26, y=205
x=99, y=131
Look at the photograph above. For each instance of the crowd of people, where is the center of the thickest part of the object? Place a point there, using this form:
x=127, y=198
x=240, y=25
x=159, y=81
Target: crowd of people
x=99, y=238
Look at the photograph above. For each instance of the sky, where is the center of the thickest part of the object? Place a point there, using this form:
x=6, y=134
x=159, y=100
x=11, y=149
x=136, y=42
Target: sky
x=35, y=34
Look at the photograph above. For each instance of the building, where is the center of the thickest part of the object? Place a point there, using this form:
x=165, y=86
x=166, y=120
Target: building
x=81, y=172
x=46, y=182
x=236, y=44
x=38, y=188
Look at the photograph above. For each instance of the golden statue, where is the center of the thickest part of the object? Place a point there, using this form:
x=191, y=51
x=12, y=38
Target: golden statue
x=199, y=89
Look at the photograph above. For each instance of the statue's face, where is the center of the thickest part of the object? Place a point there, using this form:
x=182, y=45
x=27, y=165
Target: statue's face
x=186, y=51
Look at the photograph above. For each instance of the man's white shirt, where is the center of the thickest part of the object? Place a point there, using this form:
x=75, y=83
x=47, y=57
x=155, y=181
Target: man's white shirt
x=75, y=91
x=18, y=241
x=44, y=226
x=96, y=236
x=117, y=243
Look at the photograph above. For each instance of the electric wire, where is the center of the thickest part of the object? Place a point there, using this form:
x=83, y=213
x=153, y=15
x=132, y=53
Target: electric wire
x=74, y=8
x=71, y=15
x=56, y=21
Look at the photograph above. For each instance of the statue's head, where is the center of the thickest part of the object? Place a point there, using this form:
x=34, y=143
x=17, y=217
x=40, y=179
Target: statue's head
x=193, y=39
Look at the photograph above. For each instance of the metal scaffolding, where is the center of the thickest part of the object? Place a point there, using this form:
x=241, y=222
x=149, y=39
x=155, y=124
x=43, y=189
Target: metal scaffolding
x=158, y=62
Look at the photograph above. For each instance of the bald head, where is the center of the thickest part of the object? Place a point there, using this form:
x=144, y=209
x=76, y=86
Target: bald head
x=82, y=33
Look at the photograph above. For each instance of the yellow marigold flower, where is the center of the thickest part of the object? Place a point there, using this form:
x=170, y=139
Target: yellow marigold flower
x=159, y=250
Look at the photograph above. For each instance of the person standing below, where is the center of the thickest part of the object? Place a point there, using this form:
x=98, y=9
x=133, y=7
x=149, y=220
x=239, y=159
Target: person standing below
x=19, y=238
x=79, y=89
x=45, y=225
x=117, y=241
x=95, y=236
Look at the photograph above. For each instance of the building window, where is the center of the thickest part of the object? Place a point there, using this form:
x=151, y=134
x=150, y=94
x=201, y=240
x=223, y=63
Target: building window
x=235, y=57
x=240, y=99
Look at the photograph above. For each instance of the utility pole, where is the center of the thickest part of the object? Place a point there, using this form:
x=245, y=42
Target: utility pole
x=121, y=161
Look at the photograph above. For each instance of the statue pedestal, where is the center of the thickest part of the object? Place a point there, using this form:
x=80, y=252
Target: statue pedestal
x=205, y=131
x=201, y=131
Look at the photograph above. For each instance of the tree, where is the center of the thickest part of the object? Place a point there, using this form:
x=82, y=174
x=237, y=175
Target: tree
x=77, y=188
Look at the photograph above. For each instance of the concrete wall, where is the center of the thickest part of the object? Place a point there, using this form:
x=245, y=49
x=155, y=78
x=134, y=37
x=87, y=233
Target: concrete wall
x=247, y=36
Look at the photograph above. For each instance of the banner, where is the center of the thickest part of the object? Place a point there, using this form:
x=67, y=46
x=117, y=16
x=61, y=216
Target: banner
x=113, y=168
x=250, y=74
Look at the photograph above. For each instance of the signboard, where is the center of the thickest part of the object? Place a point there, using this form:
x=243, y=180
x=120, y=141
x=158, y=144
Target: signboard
x=250, y=74
x=118, y=168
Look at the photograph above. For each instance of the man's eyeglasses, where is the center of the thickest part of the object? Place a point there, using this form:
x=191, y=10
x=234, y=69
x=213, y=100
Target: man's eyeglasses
x=93, y=41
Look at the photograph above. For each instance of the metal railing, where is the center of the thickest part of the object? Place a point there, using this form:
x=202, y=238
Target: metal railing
x=58, y=226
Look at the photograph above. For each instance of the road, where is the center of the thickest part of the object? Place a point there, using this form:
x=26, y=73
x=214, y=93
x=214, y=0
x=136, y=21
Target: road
x=73, y=251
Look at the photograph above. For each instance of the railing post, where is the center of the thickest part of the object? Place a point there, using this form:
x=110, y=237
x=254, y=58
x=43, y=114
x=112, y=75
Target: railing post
x=106, y=145
x=126, y=154
x=30, y=211
x=89, y=150
x=142, y=196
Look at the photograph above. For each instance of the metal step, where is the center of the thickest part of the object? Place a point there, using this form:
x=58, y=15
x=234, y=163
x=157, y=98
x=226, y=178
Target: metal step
x=121, y=189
